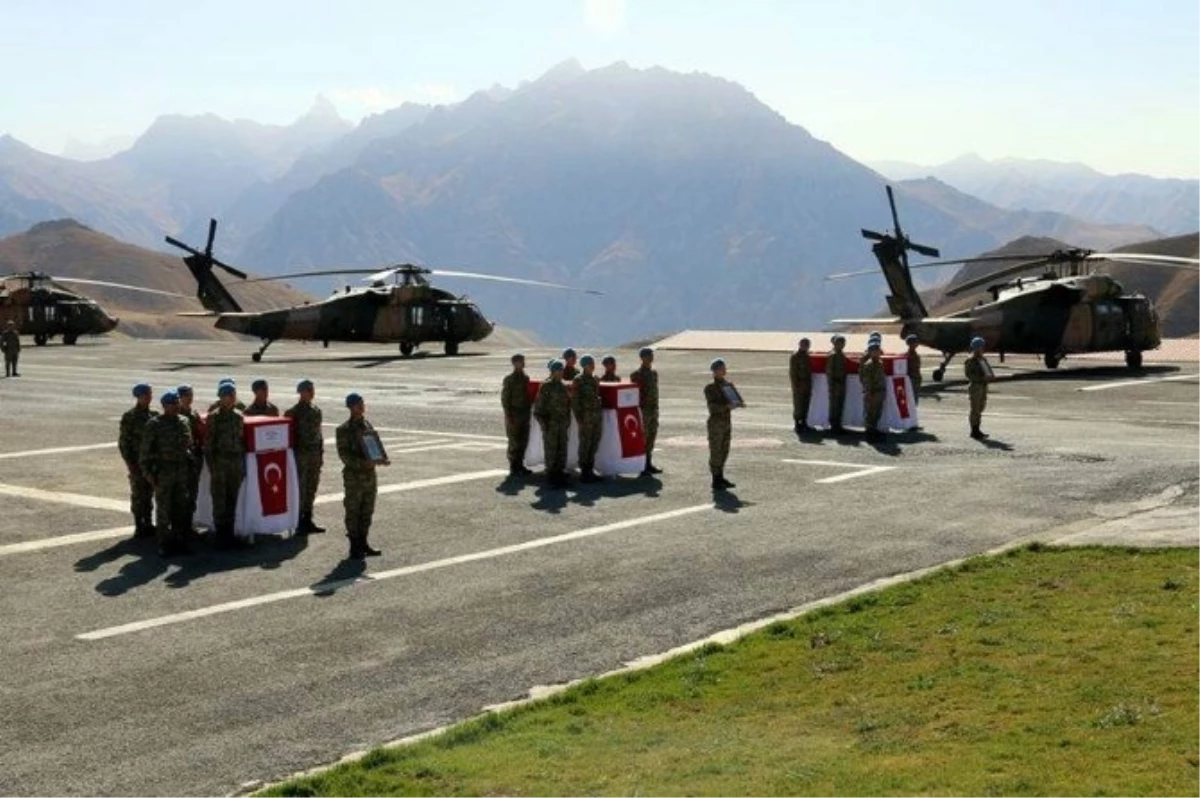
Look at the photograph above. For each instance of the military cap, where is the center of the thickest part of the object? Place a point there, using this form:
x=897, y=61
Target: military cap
x=874, y=337
x=645, y=351
x=229, y=380
x=608, y=360
x=258, y=384
x=353, y=399
x=837, y=337
x=911, y=339
x=875, y=334
x=719, y=363
x=587, y=360
x=141, y=389
x=184, y=390
x=568, y=352
x=977, y=342
x=169, y=398
x=517, y=356
x=874, y=345
x=304, y=385
x=557, y=365
x=226, y=389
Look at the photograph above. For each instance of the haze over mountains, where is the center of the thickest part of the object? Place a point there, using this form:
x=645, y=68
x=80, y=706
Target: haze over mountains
x=684, y=198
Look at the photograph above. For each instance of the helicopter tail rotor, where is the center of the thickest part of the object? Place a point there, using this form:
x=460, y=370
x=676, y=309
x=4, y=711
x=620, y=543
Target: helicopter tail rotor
x=209, y=290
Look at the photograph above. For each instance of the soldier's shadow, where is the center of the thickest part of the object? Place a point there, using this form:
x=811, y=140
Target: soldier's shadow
x=512, y=485
x=123, y=547
x=728, y=502
x=268, y=552
x=586, y=494
x=550, y=500
x=345, y=574
x=135, y=573
x=992, y=443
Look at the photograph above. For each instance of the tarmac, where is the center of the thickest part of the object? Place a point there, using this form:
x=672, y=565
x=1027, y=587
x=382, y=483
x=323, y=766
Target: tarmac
x=127, y=674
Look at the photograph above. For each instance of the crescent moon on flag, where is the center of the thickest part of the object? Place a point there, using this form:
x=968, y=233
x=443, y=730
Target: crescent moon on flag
x=633, y=430
x=267, y=473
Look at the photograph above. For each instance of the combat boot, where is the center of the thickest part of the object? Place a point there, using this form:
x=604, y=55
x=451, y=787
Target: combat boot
x=143, y=527
x=313, y=528
x=514, y=468
x=651, y=468
x=977, y=433
x=724, y=482
x=364, y=546
x=589, y=475
x=717, y=484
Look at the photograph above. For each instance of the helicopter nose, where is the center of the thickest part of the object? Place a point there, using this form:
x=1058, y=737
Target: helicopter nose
x=109, y=323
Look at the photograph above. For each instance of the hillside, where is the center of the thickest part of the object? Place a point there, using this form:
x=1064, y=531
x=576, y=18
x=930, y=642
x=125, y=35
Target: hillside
x=65, y=248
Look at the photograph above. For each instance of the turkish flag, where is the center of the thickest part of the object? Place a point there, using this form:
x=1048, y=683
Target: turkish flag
x=273, y=481
x=633, y=436
x=898, y=384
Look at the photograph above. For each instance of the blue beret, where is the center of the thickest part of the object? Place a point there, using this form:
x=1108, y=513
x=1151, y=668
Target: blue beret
x=719, y=363
x=353, y=399
x=875, y=334
x=645, y=351
x=141, y=388
x=229, y=380
x=304, y=385
x=259, y=383
x=184, y=390
x=587, y=360
x=874, y=345
x=517, y=356
x=226, y=389
x=557, y=365
x=568, y=352
x=977, y=342
x=911, y=339
x=608, y=359
x=169, y=398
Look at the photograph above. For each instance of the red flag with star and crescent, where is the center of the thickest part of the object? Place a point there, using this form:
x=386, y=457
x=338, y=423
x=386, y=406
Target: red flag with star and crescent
x=633, y=436
x=273, y=481
x=899, y=383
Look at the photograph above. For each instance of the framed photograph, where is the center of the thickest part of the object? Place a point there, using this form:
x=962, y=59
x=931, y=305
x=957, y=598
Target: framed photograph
x=731, y=393
x=373, y=447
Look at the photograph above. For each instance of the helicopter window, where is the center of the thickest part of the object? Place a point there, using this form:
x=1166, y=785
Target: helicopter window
x=416, y=315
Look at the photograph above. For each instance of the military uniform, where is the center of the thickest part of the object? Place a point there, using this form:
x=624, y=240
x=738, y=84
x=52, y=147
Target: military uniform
x=800, y=372
x=359, y=483
x=720, y=431
x=874, y=388
x=196, y=465
x=835, y=373
x=261, y=409
x=225, y=453
x=589, y=416
x=553, y=412
x=569, y=374
x=977, y=369
x=646, y=379
x=514, y=399
x=310, y=456
x=141, y=495
x=10, y=342
x=239, y=405
x=166, y=457
x=914, y=374
x=610, y=376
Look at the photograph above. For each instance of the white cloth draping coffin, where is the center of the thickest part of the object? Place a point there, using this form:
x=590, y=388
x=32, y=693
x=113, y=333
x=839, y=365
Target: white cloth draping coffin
x=269, y=498
x=622, y=447
x=899, y=411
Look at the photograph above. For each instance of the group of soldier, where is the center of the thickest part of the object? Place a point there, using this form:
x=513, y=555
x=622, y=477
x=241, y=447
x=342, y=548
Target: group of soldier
x=10, y=344
x=165, y=453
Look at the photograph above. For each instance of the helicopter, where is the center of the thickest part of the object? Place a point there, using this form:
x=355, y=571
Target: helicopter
x=42, y=308
x=1068, y=309
x=398, y=306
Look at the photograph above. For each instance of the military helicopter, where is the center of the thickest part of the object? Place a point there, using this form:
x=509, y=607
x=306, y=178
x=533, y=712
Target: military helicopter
x=43, y=308
x=1069, y=309
x=398, y=306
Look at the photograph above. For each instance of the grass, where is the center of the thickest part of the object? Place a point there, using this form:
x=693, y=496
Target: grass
x=1040, y=671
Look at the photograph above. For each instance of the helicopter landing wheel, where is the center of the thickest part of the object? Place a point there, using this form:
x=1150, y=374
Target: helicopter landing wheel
x=257, y=356
x=70, y=340
x=1052, y=360
x=451, y=348
x=40, y=339
x=938, y=374
x=406, y=349
x=1133, y=359
x=325, y=344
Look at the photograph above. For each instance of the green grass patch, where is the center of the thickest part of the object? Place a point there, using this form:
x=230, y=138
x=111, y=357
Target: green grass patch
x=1040, y=671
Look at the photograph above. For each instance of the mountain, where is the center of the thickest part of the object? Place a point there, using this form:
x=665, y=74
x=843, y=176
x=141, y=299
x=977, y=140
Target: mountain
x=1169, y=205
x=66, y=248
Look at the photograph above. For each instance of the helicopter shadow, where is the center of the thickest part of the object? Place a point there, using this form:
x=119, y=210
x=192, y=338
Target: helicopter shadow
x=1082, y=373
x=362, y=361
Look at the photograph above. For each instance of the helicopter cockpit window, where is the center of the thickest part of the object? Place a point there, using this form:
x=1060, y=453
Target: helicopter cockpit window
x=416, y=315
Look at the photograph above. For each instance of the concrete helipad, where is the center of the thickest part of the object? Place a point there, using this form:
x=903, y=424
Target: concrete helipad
x=127, y=674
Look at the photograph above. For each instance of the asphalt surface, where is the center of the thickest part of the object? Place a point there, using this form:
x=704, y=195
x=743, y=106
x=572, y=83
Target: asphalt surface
x=238, y=672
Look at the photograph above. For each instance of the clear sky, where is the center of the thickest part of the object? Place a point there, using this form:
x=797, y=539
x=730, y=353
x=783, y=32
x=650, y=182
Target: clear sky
x=1112, y=83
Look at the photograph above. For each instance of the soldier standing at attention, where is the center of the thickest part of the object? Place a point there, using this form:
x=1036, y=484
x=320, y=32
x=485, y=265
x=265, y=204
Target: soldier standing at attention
x=10, y=342
x=835, y=374
x=553, y=412
x=570, y=372
x=237, y=403
x=800, y=372
x=133, y=426
x=610, y=369
x=647, y=382
x=914, y=367
x=310, y=453
x=979, y=374
x=358, y=478
x=186, y=395
x=225, y=454
x=166, y=462
x=874, y=388
x=720, y=425
x=514, y=399
x=585, y=401
x=261, y=406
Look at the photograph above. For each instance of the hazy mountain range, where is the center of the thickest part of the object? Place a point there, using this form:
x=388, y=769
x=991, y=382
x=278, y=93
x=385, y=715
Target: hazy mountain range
x=684, y=198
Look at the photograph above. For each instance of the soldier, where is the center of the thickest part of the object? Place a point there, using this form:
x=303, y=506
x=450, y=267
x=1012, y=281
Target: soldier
x=166, y=462
x=585, y=402
x=261, y=406
x=10, y=342
x=720, y=425
x=800, y=372
x=514, y=399
x=874, y=388
x=133, y=425
x=570, y=372
x=310, y=453
x=610, y=369
x=647, y=383
x=553, y=412
x=225, y=454
x=979, y=374
x=358, y=478
x=237, y=403
x=186, y=396
x=914, y=367
x=835, y=375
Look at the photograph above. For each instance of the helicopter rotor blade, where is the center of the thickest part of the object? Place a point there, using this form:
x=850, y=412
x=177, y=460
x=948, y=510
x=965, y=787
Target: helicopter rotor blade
x=316, y=273
x=1159, y=260
x=207, y=254
x=860, y=273
x=82, y=281
x=212, y=233
x=175, y=242
x=895, y=216
x=872, y=235
x=929, y=252
x=987, y=278
x=543, y=284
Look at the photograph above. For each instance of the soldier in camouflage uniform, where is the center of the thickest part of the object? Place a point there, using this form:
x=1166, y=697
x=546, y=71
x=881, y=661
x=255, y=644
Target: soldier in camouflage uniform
x=358, y=478
x=10, y=342
x=186, y=395
x=261, y=406
x=800, y=373
x=225, y=454
x=646, y=379
x=133, y=425
x=514, y=399
x=553, y=412
x=720, y=425
x=835, y=375
x=585, y=402
x=610, y=369
x=238, y=404
x=570, y=371
x=874, y=388
x=914, y=367
x=979, y=374
x=166, y=462
x=310, y=453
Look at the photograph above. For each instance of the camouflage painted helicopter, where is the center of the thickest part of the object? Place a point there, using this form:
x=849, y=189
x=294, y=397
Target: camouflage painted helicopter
x=399, y=306
x=1067, y=310
x=43, y=308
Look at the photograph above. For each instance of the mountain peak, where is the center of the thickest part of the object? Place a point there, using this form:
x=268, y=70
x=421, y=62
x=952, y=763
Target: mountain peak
x=563, y=71
x=323, y=110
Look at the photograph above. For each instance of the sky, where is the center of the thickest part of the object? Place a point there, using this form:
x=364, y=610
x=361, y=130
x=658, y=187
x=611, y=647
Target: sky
x=1114, y=84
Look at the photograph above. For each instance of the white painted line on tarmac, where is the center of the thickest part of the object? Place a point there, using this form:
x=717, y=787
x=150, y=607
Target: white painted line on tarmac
x=329, y=587
x=65, y=540
x=1135, y=382
x=75, y=499
x=435, y=433
x=862, y=470
x=1156, y=402
x=422, y=483
x=57, y=450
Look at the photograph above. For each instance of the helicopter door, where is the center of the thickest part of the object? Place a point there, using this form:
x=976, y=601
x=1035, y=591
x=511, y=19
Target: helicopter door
x=1109, y=329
